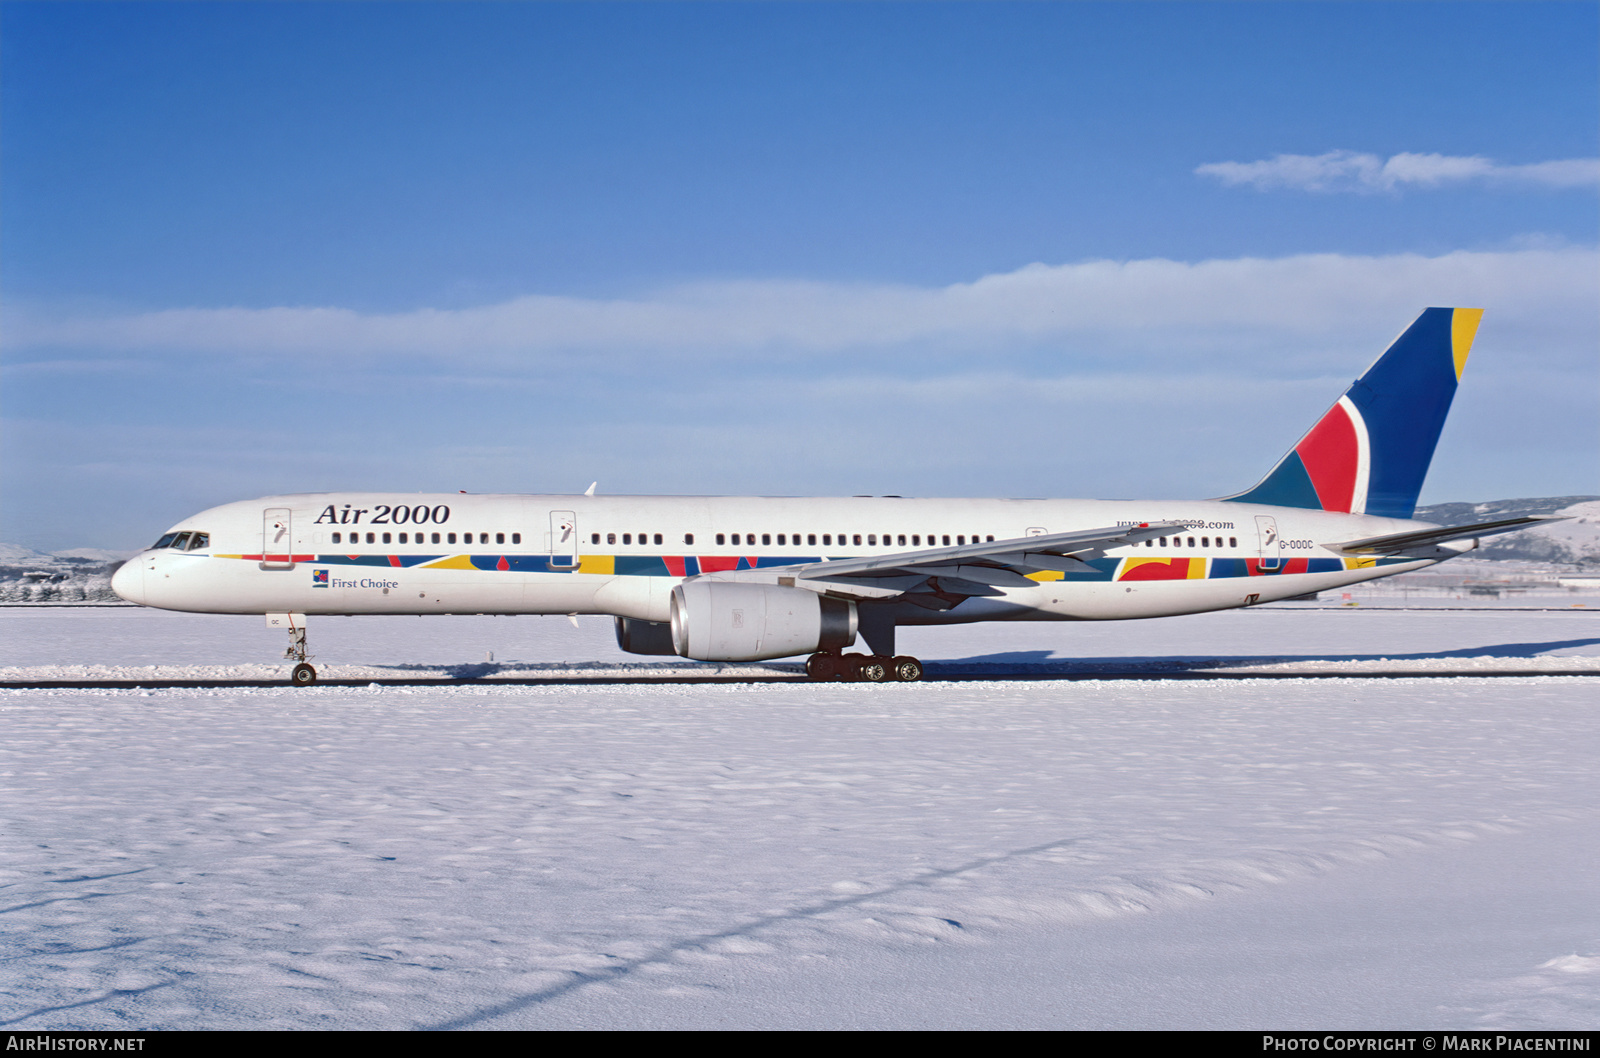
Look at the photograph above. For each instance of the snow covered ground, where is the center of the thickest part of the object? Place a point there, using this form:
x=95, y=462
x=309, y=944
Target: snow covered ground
x=48, y=643
x=1320, y=854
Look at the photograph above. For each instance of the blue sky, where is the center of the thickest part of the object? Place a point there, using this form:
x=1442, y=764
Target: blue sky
x=965, y=249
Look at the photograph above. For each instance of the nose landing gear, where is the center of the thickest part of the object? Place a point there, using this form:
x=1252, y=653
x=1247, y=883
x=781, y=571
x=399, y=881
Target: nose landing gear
x=302, y=675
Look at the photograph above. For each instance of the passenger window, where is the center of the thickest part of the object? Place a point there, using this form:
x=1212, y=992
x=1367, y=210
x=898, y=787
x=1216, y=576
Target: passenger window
x=961, y=541
x=989, y=539
x=916, y=540
x=627, y=538
x=1205, y=541
x=450, y=538
x=858, y=539
x=336, y=538
x=872, y=539
x=750, y=538
x=1191, y=541
x=688, y=538
x=436, y=538
x=516, y=538
x=902, y=540
x=499, y=538
x=658, y=538
x=483, y=538
x=827, y=539
x=402, y=538
x=386, y=539
x=811, y=539
x=611, y=538
x=780, y=540
x=720, y=541
x=1233, y=541
x=766, y=539
x=594, y=538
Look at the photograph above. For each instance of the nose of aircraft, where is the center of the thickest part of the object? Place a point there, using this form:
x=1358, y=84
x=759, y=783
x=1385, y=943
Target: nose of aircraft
x=128, y=581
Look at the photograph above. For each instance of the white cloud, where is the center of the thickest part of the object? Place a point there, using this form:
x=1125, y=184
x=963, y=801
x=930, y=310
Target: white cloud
x=1353, y=171
x=1153, y=308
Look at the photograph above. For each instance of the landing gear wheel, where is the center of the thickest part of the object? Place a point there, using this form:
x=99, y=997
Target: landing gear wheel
x=906, y=670
x=303, y=675
x=872, y=669
x=822, y=666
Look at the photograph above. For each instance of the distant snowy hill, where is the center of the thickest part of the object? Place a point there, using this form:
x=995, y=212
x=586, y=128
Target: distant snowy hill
x=77, y=575
x=83, y=575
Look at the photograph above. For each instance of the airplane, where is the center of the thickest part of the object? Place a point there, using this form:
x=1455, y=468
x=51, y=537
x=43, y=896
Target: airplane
x=759, y=578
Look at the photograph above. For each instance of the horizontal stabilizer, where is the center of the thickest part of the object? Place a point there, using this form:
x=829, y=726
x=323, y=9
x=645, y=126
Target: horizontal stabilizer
x=1384, y=545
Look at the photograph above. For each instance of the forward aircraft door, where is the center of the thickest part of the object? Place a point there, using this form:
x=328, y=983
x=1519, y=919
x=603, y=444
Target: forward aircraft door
x=563, y=539
x=277, y=538
x=1271, y=546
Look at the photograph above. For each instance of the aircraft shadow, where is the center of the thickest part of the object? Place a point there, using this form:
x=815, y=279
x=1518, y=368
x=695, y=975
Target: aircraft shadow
x=1046, y=661
x=1019, y=661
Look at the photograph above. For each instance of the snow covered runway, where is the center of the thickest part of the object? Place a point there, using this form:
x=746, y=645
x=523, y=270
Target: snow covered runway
x=1242, y=853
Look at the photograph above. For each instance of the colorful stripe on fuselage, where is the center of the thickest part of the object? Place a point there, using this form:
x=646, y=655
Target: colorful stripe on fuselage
x=1135, y=568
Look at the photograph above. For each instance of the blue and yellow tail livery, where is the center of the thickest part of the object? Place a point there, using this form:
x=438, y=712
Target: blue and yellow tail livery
x=1370, y=452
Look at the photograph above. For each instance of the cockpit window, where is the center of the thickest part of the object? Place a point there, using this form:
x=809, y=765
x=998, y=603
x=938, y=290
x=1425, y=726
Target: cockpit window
x=183, y=541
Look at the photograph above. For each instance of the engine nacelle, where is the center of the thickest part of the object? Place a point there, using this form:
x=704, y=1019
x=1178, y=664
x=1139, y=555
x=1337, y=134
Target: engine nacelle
x=731, y=621
x=645, y=637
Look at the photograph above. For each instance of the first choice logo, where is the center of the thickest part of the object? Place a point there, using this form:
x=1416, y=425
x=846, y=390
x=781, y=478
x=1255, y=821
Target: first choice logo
x=321, y=579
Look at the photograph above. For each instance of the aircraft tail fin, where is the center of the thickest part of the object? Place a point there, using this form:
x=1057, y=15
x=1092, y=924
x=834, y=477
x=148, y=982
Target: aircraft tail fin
x=1369, y=452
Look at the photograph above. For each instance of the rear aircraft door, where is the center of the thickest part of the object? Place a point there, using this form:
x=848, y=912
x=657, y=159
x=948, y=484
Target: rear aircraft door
x=1271, y=546
x=277, y=538
x=563, y=537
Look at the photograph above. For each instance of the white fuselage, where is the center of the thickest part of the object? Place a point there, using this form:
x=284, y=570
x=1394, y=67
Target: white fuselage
x=372, y=553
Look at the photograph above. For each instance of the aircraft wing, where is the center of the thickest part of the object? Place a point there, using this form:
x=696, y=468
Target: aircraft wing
x=972, y=569
x=1395, y=542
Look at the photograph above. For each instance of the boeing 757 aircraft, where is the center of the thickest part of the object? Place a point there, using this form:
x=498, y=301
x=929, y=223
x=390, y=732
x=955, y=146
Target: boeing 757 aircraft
x=748, y=579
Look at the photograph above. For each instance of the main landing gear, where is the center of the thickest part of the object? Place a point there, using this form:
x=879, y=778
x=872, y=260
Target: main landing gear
x=863, y=668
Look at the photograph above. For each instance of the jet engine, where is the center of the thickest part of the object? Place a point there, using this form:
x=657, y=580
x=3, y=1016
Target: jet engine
x=732, y=621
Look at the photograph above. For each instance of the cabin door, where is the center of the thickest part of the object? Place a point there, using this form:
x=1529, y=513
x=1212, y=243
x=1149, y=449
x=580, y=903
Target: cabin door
x=277, y=538
x=563, y=537
x=1271, y=546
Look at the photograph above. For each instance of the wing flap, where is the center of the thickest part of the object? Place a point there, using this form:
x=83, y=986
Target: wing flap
x=997, y=576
